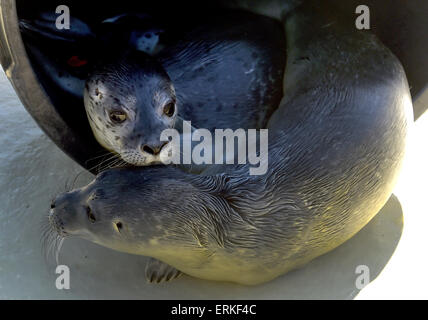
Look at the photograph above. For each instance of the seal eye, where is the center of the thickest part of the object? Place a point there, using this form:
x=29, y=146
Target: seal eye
x=169, y=109
x=91, y=216
x=117, y=116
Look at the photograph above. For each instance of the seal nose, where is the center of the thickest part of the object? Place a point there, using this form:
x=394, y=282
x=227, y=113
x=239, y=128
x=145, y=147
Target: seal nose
x=153, y=149
x=62, y=200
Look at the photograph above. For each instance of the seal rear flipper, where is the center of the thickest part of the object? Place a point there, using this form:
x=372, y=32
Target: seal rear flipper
x=158, y=271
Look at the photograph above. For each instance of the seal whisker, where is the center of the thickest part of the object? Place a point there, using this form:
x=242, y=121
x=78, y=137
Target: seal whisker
x=50, y=244
x=104, y=164
x=116, y=163
x=67, y=185
x=97, y=157
x=107, y=157
x=107, y=166
x=60, y=241
x=75, y=179
x=51, y=241
x=112, y=156
x=44, y=234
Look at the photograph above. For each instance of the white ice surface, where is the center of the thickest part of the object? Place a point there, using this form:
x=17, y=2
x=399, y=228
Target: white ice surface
x=33, y=170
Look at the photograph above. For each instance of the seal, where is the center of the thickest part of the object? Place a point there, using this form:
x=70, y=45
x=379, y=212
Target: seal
x=234, y=61
x=78, y=48
x=67, y=66
x=337, y=145
x=226, y=73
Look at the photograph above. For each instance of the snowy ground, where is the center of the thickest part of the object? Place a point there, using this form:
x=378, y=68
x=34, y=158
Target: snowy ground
x=33, y=170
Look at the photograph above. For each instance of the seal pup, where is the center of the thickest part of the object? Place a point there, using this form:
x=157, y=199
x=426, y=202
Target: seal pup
x=226, y=73
x=337, y=147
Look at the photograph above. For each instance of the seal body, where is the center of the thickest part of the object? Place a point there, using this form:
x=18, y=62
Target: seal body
x=337, y=144
x=224, y=74
x=228, y=72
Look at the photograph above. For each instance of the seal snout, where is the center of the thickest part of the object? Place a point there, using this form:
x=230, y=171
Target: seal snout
x=62, y=213
x=55, y=222
x=153, y=149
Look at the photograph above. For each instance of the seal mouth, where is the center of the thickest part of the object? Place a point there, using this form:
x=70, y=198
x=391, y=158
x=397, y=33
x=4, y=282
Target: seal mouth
x=56, y=224
x=140, y=158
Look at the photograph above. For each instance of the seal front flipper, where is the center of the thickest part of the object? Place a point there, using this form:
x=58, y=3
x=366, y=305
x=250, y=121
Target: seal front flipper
x=157, y=271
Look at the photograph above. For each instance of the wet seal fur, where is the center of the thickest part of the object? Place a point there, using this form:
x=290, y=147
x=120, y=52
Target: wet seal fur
x=337, y=146
x=225, y=74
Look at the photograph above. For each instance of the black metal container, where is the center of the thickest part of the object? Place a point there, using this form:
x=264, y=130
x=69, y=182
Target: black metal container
x=400, y=24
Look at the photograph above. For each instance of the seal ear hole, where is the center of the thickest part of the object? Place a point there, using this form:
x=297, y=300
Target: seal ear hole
x=119, y=226
x=147, y=149
x=90, y=215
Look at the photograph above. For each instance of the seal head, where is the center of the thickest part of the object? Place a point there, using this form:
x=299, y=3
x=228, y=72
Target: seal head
x=135, y=222
x=129, y=103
